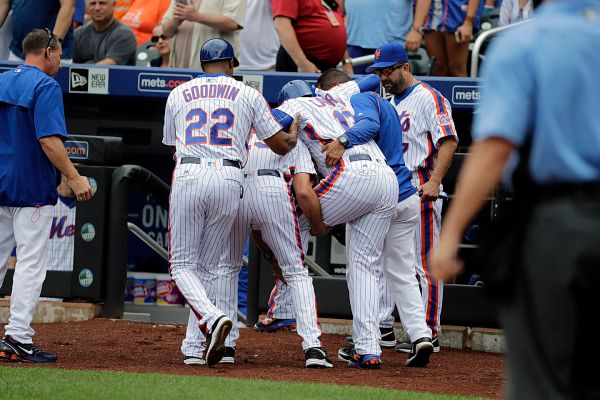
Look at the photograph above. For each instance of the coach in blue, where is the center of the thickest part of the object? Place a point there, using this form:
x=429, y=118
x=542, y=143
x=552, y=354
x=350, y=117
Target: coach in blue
x=540, y=91
x=377, y=119
x=32, y=127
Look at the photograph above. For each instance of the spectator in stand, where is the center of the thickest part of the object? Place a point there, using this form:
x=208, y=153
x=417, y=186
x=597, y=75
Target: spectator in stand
x=312, y=35
x=448, y=30
x=512, y=11
x=193, y=23
x=121, y=7
x=27, y=15
x=104, y=41
x=163, y=47
x=364, y=36
x=258, y=55
x=142, y=17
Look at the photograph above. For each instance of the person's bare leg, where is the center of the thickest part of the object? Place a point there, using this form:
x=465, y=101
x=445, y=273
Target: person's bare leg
x=434, y=41
x=457, y=53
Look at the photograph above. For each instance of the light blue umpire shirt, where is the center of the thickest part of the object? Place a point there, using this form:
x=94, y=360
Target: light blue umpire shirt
x=538, y=81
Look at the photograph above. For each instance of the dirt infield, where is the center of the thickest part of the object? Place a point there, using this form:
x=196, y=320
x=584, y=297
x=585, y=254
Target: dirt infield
x=103, y=344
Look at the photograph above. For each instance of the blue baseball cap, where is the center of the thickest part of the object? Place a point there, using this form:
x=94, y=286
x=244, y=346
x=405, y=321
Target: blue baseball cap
x=387, y=55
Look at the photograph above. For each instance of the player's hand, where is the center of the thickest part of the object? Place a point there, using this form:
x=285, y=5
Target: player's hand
x=81, y=187
x=466, y=32
x=430, y=190
x=307, y=66
x=443, y=260
x=347, y=68
x=186, y=12
x=320, y=230
x=276, y=269
x=413, y=40
x=334, y=152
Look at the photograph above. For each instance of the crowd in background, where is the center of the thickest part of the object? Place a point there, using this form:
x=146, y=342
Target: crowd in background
x=280, y=35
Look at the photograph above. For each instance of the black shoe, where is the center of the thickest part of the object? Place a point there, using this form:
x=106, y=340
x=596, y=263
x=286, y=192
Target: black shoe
x=316, y=357
x=388, y=338
x=229, y=356
x=215, y=348
x=436, y=343
x=193, y=360
x=11, y=350
x=345, y=353
x=403, y=347
x=420, y=352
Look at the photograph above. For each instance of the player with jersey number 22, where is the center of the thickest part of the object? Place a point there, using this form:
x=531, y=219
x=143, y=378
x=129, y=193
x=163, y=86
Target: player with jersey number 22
x=209, y=120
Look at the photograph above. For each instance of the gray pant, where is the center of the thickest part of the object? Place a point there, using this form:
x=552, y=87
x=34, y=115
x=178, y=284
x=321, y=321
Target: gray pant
x=552, y=325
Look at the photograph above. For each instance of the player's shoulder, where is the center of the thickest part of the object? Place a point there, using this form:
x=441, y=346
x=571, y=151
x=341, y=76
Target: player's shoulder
x=429, y=96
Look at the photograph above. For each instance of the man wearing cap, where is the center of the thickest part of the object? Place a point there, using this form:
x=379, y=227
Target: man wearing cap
x=429, y=143
x=209, y=120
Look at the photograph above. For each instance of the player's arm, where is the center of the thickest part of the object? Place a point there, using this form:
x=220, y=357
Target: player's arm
x=268, y=255
x=366, y=127
x=64, y=19
x=309, y=204
x=415, y=35
x=55, y=150
x=289, y=41
x=4, y=9
x=368, y=83
x=284, y=140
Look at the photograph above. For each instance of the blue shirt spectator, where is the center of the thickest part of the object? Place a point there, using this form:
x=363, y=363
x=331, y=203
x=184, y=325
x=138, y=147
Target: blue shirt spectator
x=370, y=23
x=564, y=147
x=32, y=14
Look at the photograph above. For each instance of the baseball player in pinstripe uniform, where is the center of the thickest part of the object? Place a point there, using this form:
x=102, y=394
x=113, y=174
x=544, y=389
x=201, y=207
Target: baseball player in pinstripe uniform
x=377, y=119
x=268, y=207
x=429, y=143
x=208, y=120
x=361, y=191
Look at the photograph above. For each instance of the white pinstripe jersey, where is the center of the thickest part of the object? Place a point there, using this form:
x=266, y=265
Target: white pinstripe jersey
x=322, y=119
x=211, y=117
x=59, y=250
x=426, y=117
x=260, y=156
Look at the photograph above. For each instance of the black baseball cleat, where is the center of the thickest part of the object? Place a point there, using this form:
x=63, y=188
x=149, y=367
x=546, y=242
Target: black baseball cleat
x=388, y=338
x=228, y=356
x=11, y=350
x=345, y=354
x=406, y=346
x=215, y=340
x=420, y=352
x=316, y=357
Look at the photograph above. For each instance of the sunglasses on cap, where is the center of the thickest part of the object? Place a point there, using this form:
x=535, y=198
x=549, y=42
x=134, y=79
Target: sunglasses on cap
x=50, y=37
x=388, y=70
x=154, y=39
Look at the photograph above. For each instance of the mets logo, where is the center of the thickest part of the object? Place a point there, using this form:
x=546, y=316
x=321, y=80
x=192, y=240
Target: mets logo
x=377, y=54
x=405, y=121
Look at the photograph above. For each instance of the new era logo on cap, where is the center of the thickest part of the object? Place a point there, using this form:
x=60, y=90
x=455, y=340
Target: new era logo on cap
x=387, y=55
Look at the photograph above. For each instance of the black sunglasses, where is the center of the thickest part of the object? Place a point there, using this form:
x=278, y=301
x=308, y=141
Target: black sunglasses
x=387, y=71
x=50, y=37
x=154, y=39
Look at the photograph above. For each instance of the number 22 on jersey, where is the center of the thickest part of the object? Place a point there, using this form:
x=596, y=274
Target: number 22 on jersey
x=196, y=119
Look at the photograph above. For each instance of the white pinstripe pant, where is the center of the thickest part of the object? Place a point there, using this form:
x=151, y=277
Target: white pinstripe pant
x=202, y=208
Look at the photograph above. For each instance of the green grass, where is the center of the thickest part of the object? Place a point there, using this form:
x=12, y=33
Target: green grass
x=48, y=384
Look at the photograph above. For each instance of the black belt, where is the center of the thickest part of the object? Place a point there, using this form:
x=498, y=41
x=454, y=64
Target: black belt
x=575, y=190
x=359, y=157
x=226, y=163
x=268, y=172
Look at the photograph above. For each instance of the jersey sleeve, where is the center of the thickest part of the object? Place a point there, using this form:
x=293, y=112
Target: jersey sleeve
x=366, y=117
x=169, y=131
x=301, y=159
x=439, y=118
x=48, y=112
x=293, y=107
x=264, y=123
x=346, y=89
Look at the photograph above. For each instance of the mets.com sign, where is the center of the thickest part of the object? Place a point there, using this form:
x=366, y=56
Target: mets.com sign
x=161, y=82
x=466, y=95
x=77, y=149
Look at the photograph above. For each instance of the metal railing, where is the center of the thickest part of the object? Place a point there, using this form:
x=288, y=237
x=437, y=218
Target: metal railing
x=481, y=40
